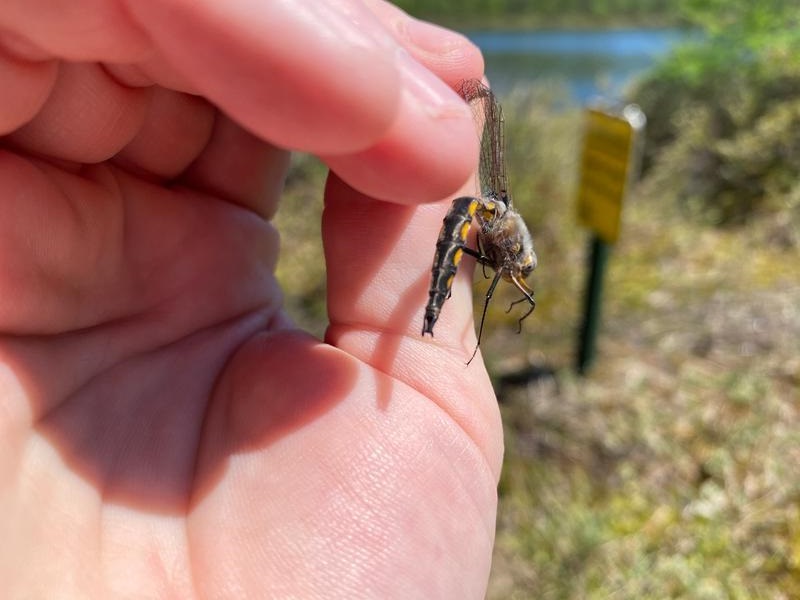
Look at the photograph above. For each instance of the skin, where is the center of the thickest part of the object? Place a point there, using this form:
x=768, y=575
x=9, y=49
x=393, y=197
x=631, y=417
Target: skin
x=165, y=432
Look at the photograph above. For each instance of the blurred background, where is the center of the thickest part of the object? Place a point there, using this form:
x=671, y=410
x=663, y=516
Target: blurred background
x=672, y=470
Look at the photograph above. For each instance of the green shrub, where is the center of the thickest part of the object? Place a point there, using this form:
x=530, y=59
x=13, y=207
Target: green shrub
x=723, y=112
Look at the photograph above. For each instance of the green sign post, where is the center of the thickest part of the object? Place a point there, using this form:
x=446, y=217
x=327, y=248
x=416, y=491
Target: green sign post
x=609, y=162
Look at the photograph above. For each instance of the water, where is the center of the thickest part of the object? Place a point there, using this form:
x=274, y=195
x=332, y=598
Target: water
x=586, y=63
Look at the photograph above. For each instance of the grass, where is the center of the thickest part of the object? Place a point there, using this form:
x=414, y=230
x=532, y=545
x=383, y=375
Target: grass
x=672, y=470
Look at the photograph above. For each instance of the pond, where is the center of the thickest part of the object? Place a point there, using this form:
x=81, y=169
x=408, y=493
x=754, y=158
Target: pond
x=584, y=63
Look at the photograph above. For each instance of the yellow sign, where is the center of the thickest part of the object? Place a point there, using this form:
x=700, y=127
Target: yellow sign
x=606, y=166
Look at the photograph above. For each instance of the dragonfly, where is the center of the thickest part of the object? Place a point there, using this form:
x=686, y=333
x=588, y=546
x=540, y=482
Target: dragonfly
x=504, y=243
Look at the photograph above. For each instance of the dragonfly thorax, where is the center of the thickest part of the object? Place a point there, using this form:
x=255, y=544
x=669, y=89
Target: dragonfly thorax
x=506, y=242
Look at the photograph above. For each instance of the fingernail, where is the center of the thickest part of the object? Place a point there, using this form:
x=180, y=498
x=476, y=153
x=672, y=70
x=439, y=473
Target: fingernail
x=428, y=90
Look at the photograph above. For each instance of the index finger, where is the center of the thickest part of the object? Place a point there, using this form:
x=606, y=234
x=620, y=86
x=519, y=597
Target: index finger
x=340, y=79
x=333, y=79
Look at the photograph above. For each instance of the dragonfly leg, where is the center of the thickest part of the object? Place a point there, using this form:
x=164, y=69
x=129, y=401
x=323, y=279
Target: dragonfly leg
x=489, y=295
x=484, y=260
x=476, y=254
x=527, y=297
x=479, y=257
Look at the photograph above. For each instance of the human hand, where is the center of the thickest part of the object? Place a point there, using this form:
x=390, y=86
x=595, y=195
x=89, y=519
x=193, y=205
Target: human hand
x=165, y=431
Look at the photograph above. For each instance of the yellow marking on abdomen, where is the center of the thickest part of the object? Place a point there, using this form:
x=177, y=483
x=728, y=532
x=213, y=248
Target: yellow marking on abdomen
x=465, y=230
x=457, y=256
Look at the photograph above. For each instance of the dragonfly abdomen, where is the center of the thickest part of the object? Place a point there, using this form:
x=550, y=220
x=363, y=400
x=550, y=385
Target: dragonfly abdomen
x=449, y=251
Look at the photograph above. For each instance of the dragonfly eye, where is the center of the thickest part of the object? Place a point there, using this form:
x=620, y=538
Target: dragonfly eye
x=528, y=265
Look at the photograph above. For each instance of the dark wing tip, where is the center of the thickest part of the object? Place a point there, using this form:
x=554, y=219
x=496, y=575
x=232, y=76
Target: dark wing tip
x=470, y=89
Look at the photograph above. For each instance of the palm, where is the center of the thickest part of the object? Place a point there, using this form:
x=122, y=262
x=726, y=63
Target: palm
x=168, y=433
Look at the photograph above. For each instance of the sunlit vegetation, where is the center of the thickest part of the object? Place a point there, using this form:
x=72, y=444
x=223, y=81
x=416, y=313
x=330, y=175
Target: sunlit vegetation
x=524, y=13
x=669, y=472
x=725, y=112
